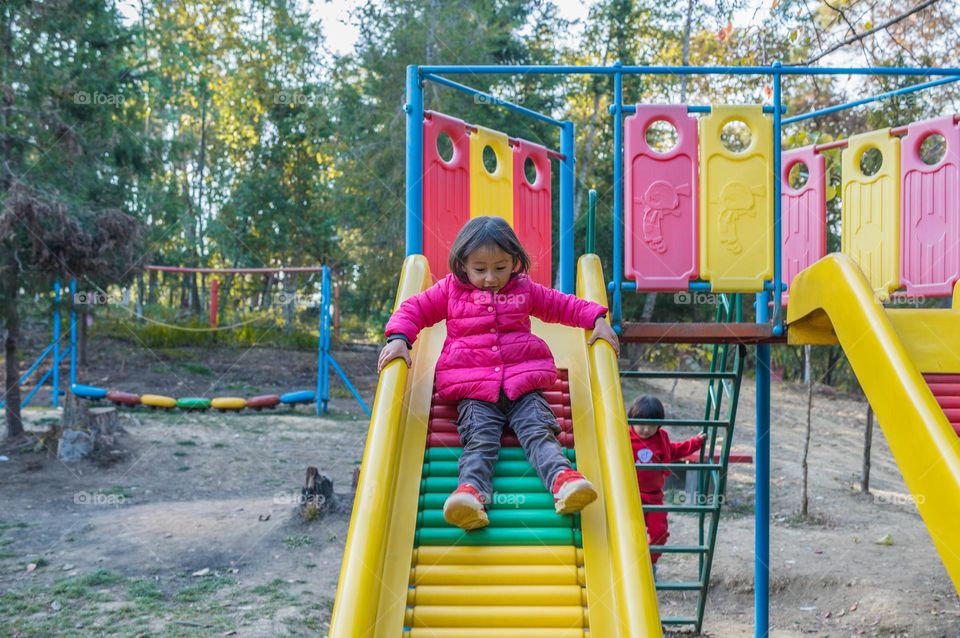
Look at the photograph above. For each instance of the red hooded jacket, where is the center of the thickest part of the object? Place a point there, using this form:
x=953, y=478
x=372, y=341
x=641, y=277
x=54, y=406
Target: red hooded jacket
x=658, y=449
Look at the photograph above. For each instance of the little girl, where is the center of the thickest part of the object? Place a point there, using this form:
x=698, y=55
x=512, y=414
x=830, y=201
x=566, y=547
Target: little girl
x=494, y=366
x=651, y=444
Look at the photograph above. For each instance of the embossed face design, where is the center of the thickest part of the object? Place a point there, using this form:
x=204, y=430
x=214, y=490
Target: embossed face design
x=661, y=195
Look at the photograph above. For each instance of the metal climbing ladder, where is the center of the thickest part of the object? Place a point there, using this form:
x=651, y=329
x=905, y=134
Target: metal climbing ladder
x=726, y=371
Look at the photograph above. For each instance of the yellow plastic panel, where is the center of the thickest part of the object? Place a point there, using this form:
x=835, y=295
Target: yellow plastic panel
x=491, y=193
x=158, y=401
x=871, y=211
x=923, y=443
x=930, y=336
x=736, y=202
x=625, y=534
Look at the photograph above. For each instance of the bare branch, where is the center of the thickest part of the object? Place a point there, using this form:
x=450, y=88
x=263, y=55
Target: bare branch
x=857, y=37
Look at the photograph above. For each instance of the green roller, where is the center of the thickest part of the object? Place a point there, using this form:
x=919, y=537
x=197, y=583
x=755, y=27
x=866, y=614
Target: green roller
x=499, y=536
x=506, y=454
x=193, y=403
x=446, y=484
x=500, y=501
x=500, y=468
x=504, y=519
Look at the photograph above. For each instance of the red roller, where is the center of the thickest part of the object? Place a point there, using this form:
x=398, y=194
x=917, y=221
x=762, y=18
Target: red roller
x=123, y=398
x=532, y=208
x=446, y=189
x=945, y=389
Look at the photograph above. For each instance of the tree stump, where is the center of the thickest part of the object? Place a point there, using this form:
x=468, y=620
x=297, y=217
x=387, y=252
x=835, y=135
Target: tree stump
x=317, y=498
x=85, y=431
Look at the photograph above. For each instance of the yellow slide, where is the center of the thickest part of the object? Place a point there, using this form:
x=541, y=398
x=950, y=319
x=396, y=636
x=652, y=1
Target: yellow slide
x=890, y=351
x=601, y=585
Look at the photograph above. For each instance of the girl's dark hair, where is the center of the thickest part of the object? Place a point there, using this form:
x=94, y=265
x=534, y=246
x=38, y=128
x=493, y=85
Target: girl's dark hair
x=482, y=232
x=646, y=407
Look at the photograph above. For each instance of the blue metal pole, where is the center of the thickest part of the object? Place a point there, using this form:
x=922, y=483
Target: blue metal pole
x=414, y=109
x=346, y=381
x=761, y=541
x=322, y=342
x=492, y=99
x=777, y=212
x=73, y=332
x=875, y=98
x=629, y=109
x=567, y=184
x=532, y=69
x=55, y=381
x=617, y=199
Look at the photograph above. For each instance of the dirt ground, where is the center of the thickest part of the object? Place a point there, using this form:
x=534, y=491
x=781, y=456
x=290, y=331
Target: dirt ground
x=191, y=531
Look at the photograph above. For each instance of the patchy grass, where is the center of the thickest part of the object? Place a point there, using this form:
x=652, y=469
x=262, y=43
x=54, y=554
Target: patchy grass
x=294, y=542
x=79, y=586
x=206, y=587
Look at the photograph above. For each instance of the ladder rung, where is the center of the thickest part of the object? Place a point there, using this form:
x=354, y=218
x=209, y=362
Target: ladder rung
x=699, y=423
x=678, y=620
x=681, y=508
x=679, y=549
x=658, y=374
x=679, y=466
x=680, y=586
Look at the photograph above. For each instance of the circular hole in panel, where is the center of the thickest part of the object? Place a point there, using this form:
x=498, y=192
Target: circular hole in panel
x=489, y=159
x=871, y=161
x=662, y=136
x=798, y=175
x=735, y=136
x=445, y=147
x=530, y=170
x=933, y=148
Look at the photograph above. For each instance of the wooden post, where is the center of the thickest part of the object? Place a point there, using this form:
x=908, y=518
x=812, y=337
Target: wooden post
x=808, y=373
x=867, y=444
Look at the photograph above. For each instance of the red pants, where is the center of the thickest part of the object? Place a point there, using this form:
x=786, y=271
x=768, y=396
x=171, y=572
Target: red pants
x=656, y=522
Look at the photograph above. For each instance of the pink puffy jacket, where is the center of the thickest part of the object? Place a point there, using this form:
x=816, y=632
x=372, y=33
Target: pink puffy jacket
x=489, y=345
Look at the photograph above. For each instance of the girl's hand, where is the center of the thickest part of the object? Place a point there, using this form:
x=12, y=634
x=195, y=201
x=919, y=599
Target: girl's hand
x=395, y=349
x=602, y=330
x=702, y=436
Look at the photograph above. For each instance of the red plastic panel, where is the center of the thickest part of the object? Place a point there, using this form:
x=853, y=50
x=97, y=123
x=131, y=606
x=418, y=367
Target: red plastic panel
x=532, y=209
x=930, y=211
x=804, y=214
x=446, y=189
x=661, y=202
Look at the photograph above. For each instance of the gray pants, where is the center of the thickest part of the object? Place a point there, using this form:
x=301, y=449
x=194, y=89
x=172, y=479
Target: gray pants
x=480, y=425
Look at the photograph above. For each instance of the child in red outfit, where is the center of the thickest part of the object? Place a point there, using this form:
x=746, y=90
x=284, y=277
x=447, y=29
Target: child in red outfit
x=651, y=444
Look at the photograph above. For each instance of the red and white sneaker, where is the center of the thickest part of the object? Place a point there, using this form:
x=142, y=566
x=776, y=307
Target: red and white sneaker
x=572, y=492
x=464, y=508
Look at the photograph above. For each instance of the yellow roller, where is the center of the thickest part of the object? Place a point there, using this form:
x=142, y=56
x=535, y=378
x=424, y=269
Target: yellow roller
x=158, y=401
x=495, y=632
x=496, y=575
x=492, y=595
x=228, y=403
x=498, y=555
x=832, y=301
x=473, y=617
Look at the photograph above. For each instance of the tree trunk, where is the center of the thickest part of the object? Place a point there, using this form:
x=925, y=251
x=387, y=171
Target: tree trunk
x=84, y=313
x=12, y=389
x=804, y=500
x=867, y=445
x=152, y=291
x=139, y=308
x=336, y=311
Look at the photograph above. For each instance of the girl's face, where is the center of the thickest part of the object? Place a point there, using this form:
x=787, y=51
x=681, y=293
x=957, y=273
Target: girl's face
x=645, y=431
x=489, y=268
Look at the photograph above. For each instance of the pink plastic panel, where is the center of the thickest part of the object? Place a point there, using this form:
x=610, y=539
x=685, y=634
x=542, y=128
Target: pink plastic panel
x=531, y=208
x=446, y=189
x=930, y=211
x=803, y=222
x=660, y=202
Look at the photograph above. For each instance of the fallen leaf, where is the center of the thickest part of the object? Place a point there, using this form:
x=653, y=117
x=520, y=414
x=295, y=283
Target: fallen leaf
x=886, y=539
x=202, y=572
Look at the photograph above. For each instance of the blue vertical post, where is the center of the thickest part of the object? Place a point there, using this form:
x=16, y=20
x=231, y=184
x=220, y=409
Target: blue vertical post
x=568, y=265
x=414, y=109
x=323, y=344
x=777, y=207
x=73, y=332
x=761, y=564
x=55, y=379
x=617, y=198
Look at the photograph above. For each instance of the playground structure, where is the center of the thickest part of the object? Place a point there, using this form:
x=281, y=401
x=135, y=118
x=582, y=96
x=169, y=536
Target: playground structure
x=325, y=359
x=700, y=217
